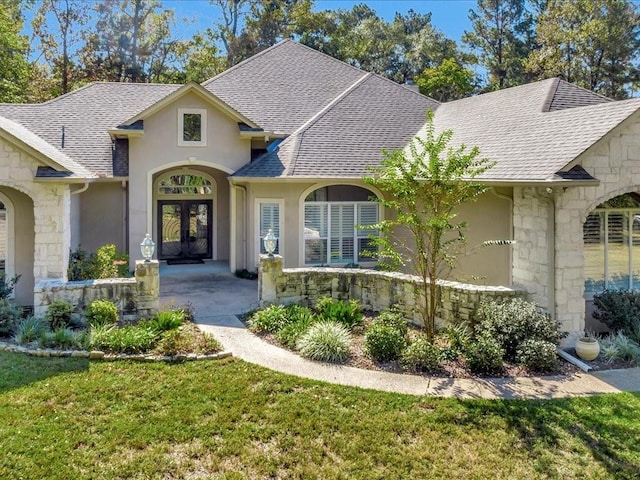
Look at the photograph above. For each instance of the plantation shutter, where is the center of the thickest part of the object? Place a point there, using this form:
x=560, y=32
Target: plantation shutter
x=316, y=222
x=367, y=216
x=269, y=219
x=342, y=233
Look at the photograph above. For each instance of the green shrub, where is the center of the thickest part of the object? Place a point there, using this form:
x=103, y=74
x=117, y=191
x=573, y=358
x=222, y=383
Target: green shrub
x=348, y=313
x=61, y=337
x=109, y=263
x=453, y=340
x=59, y=314
x=100, y=335
x=512, y=322
x=187, y=339
x=299, y=319
x=30, y=329
x=326, y=341
x=166, y=320
x=484, y=355
x=420, y=356
x=9, y=317
x=101, y=312
x=129, y=339
x=81, y=265
x=394, y=319
x=270, y=319
x=538, y=356
x=383, y=342
x=7, y=286
x=617, y=309
x=620, y=347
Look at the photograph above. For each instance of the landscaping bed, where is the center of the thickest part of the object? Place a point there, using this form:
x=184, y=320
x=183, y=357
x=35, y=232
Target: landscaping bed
x=513, y=339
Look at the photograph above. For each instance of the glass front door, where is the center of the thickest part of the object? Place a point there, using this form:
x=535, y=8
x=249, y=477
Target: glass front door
x=184, y=229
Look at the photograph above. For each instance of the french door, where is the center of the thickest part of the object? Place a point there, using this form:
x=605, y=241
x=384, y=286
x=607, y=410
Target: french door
x=184, y=229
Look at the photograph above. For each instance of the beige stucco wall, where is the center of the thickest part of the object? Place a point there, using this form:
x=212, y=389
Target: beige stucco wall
x=42, y=220
x=158, y=151
x=489, y=219
x=102, y=216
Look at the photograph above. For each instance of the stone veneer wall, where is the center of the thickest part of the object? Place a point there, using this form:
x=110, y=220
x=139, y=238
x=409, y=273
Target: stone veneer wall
x=375, y=290
x=135, y=297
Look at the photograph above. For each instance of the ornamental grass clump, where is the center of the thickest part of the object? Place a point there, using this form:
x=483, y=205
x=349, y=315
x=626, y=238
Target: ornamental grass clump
x=30, y=330
x=325, y=341
x=187, y=339
x=167, y=320
x=62, y=337
x=620, y=347
x=299, y=319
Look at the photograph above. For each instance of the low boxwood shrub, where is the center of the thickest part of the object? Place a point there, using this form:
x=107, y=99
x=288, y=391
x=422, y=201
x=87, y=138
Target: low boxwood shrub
x=30, y=330
x=348, y=313
x=538, y=356
x=383, y=342
x=420, y=356
x=101, y=312
x=326, y=341
x=270, y=319
x=512, y=322
x=484, y=355
x=10, y=315
x=59, y=314
x=299, y=319
x=617, y=309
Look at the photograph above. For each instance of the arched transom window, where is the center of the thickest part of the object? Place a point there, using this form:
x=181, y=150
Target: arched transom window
x=185, y=184
x=611, y=236
x=335, y=225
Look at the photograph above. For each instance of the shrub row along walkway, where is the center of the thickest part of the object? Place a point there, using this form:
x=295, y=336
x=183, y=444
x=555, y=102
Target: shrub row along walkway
x=217, y=298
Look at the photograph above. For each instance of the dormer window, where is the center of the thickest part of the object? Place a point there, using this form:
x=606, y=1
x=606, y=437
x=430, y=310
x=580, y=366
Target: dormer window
x=192, y=127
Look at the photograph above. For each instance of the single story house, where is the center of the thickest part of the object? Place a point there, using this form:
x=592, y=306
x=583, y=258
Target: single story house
x=282, y=141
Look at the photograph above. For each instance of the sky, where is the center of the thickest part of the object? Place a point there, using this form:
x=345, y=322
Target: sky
x=450, y=16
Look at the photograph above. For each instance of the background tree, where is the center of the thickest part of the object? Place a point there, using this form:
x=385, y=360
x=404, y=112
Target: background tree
x=229, y=27
x=593, y=43
x=501, y=39
x=15, y=69
x=57, y=24
x=447, y=81
x=425, y=185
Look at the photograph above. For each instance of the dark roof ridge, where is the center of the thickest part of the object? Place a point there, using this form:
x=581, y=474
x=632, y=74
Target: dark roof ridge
x=609, y=104
x=551, y=95
x=561, y=80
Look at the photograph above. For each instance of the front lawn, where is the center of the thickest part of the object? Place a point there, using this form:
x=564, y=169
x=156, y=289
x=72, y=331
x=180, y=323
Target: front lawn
x=69, y=419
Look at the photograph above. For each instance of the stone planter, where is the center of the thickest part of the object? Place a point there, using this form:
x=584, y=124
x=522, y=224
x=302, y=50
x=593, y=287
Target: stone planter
x=587, y=348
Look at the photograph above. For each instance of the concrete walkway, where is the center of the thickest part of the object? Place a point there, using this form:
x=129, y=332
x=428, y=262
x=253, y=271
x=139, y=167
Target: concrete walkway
x=218, y=297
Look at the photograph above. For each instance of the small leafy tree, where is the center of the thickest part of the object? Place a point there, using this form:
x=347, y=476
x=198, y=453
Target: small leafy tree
x=425, y=184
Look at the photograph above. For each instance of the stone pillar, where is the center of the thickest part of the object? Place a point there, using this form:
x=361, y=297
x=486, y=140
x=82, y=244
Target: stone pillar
x=269, y=271
x=52, y=227
x=147, y=287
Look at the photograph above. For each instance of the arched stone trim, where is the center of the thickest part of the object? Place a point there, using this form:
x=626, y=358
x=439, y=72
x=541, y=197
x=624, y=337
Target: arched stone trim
x=4, y=182
x=592, y=206
x=10, y=236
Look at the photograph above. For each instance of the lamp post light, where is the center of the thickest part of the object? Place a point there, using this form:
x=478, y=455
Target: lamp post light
x=147, y=247
x=270, y=242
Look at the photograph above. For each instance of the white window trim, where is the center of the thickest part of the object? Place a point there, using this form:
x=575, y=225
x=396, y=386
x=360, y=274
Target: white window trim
x=257, y=203
x=203, y=117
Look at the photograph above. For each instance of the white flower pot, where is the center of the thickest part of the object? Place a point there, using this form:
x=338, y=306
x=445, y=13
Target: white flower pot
x=587, y=348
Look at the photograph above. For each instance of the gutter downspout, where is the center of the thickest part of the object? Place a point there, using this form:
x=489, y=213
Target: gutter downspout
x=81, y=189
x=551, y=240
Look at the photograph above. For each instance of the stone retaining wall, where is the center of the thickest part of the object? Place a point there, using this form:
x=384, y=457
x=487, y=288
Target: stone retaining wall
x=375, y=290
x=135, y=297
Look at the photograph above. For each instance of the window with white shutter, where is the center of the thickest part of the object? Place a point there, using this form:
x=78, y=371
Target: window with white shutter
x=333, y=232
x=269, y=215
x=611, y=236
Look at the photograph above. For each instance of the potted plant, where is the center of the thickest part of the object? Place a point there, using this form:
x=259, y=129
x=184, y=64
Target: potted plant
x=587, y=346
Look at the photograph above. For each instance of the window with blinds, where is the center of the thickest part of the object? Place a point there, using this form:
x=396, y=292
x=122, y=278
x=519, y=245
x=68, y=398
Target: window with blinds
x=332, y=234
x=612, y=245
x=269, y=219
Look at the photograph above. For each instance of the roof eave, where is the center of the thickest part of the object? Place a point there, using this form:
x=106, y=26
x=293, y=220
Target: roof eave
x=125, y=133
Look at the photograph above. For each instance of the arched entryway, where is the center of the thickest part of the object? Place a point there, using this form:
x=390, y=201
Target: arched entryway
x=185, y=202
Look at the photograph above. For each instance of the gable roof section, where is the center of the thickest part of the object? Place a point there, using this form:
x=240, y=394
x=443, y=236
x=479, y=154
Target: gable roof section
x=564, y=95
x=180, y=92
x=283, y=86
x=529, y=144
x=86, y=115
x=349, y=134
x=50, y=156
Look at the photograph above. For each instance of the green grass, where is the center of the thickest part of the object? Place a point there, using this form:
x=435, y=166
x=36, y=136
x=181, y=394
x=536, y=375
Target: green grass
x=73, y=419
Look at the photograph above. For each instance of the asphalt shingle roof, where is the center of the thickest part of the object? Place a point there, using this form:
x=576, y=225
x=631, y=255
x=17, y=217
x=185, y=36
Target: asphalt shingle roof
x=374, y=114
x=566, y=95
x=529, y=144
x=284, y=86
x=86, y=114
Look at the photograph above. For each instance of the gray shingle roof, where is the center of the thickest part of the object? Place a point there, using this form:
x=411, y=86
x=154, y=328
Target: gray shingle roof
x=564, y=95
x=528, y=144
x=375, y=113
x=86, y=114
x=284, y=86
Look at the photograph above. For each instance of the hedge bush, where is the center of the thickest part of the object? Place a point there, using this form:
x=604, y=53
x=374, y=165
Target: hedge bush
x=10, y=315
x=484, y=355
x=101, y=312
x=384, y=342
x=538, y=356
x=420, y=356
x=58, y=314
